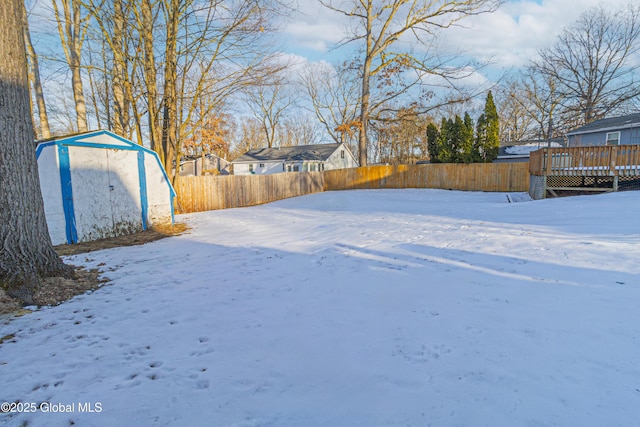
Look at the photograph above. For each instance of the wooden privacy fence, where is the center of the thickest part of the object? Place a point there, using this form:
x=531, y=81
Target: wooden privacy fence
x=205, y=193
x=202, y=193
x=452, y=176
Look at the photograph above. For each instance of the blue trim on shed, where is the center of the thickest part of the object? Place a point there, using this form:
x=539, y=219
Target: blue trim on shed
x=172, y=196
x=65, y=173
x=93, y=145
x=142, y=178
x=42, y=146
x=67, y=195
x=77, y=140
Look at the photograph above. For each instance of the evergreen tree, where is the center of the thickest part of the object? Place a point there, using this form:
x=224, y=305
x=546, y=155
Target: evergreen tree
x=488, y=132
x=459, y=140
x=433, y=136
x=458, y=135
x=467, y=140
x=479, y=140
x=492, y=143
x=448, y=143
x=443, y=142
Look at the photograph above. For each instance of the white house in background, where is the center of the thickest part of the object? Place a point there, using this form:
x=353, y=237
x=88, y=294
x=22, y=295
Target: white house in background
x=209, y=165
x=98, y=184
x=303, y=158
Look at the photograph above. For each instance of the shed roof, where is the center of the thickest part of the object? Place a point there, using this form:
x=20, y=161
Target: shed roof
x=611, y=123
x=96, y=139
x=315, y=152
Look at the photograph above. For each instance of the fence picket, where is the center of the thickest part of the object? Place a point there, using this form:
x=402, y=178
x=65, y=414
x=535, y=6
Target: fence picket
x=200, y=193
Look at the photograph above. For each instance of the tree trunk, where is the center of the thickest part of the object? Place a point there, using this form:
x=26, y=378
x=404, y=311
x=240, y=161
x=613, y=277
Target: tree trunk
x=366, y=88
x=71, y=28
x=150, y=76
x=76, y=75
x=26, y=252
x=364, y=115
x=119, y=72
x=45, y=130
x=170, y=99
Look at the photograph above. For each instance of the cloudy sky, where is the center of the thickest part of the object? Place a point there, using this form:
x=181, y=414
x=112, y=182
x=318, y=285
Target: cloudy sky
x=508, y=38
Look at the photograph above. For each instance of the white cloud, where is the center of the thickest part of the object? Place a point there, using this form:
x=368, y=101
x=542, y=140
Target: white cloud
x=506, y=39
x=314, y=27
x=464, y=77
x=511, y=36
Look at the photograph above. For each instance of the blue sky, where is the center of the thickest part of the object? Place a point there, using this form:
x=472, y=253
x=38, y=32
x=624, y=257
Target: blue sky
x=508, y=38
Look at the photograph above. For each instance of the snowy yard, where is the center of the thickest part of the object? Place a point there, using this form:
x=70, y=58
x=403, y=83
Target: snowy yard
x=355, y=308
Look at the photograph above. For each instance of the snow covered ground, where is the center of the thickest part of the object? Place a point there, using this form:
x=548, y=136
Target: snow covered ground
x=359, y=308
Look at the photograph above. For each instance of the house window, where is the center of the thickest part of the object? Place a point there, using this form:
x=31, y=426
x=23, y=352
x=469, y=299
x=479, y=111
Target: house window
x=313, y=167
x=251, y=167
x=289, y=168
x=342, y=154
x=296, y=168
x=613, y=138
x=262, y=165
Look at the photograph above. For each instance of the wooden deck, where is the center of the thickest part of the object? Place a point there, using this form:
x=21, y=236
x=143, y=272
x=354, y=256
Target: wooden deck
x=600, y=168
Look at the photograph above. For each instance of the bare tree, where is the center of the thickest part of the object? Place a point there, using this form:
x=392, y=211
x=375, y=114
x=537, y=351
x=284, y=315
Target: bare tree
x=34, y=77
x=301, y=129
x=115, y=37
x=515, y=120
x=249, y=135
x=219, y=50
x=402, y=138
x=543, y=100
x=530, y=107
x=334, y=95
x=270, y=102
x=26, y=252
x=378, y=26
x=173, y=64
x=595, y=62
x=73, y=21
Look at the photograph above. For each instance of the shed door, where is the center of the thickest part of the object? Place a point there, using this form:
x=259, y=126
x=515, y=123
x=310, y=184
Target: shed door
x=106, y=193
x=124, y=191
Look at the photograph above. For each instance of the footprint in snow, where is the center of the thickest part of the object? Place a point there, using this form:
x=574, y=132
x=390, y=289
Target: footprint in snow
x=202, y=384
x=199, y=353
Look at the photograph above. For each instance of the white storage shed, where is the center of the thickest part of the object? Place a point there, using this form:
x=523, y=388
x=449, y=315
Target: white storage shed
x=97, y=185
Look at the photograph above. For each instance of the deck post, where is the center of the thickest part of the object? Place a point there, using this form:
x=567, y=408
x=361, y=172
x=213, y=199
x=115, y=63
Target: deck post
x=613, y=168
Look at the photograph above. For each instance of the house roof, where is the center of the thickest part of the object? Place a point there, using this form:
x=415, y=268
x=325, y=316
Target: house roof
x=189, y=158
x=315, y=152
x=612, y=123
x=524, y=148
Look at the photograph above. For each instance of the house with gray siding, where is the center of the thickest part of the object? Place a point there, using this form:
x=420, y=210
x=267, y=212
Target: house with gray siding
x=303, y=158
x=620, y=130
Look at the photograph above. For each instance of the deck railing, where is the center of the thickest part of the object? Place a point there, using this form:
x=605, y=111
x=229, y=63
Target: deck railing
x=614, y=160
